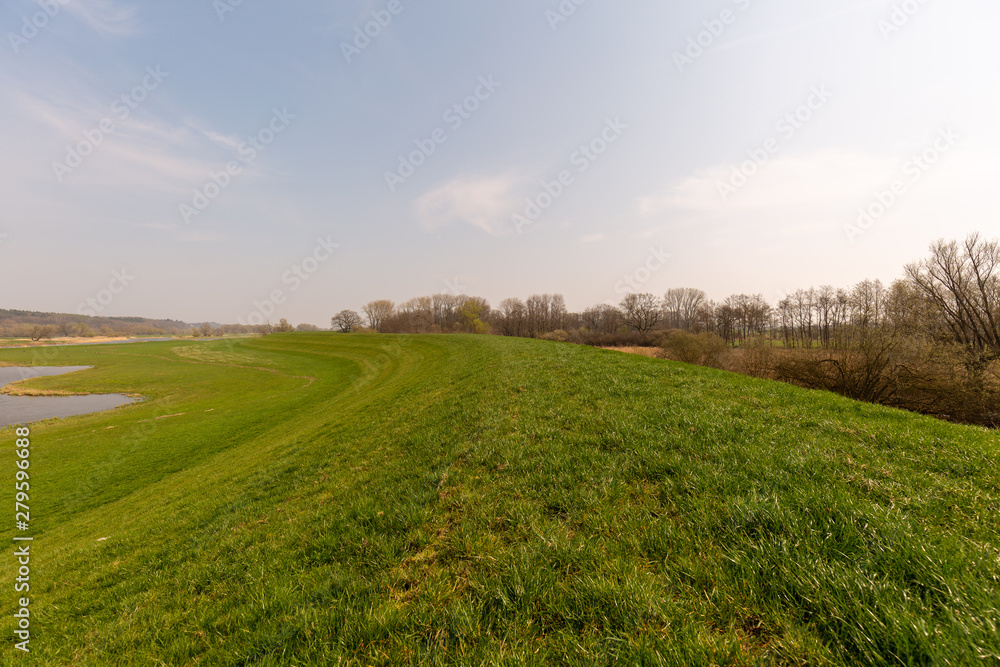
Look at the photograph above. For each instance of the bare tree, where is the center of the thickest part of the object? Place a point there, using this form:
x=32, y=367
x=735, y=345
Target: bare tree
x=603, y=319
x=445, y=310
x=640, y=311
x=746, y=315
x=511, y=317
x=557, y=312
x=680, y=307
x=378, y=312
x=423, y=314
x=726, y=317
x=43, y=331
x=536, y=314
x=962, y=282
x=346, y=320
x=826, y=302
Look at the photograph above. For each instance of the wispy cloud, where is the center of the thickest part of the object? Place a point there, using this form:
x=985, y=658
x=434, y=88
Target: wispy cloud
x=771, y=34
x=483, y=202
x=819, y=178
x=142, y=150
x=106, y=17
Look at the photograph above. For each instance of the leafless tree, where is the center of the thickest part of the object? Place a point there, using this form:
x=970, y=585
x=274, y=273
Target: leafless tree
x=826, y=303
x=445, y=310
x=747, y=315
x=603, y=319
x=378, y=312
x=511, y=316
x=726, y=317
x=40, y=332
x=346, y=321
x=681, y=306
x=557, y=312
x=962, y=282
x=536, y=314
x=640, y=312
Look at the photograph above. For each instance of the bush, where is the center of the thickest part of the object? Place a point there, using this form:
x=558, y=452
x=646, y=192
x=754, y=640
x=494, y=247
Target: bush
x=756, y=357
x=621, y=339
x=704, y=349
x=903, y=372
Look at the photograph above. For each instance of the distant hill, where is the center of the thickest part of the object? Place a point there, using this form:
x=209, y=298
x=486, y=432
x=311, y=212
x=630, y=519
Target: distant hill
x=22, y=323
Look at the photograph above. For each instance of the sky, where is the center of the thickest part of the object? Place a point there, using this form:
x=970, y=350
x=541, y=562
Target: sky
x=233, y=160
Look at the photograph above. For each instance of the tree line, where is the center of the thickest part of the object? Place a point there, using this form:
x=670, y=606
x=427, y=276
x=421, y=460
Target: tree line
x=929, y=341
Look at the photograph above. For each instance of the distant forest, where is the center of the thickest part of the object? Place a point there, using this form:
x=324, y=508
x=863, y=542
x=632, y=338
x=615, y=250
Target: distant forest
x=30, y=324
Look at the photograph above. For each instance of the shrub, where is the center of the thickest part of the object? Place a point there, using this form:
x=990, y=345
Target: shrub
x=757, y=357
x=704, y=349
x=621, y=339
x=903, y=372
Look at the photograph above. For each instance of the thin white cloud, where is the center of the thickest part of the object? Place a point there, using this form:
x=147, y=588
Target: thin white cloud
x=141, y=150
x=108, y=18
x=594, y=238
x=819, y=178
x=229, y=142
x=483, y=202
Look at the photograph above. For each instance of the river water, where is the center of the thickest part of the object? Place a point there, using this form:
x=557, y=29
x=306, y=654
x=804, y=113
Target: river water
x=27, y=409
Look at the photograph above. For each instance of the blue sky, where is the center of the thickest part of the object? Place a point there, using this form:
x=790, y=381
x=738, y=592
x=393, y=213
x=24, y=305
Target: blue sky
x=595, y=148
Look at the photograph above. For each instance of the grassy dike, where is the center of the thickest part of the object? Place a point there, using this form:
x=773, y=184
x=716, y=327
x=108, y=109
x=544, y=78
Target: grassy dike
x=325, y=499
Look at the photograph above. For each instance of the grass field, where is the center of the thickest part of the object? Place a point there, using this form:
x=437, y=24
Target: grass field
x=308, y=499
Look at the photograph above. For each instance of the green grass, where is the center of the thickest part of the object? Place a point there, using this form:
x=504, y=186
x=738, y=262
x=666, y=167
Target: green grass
x=309, y=499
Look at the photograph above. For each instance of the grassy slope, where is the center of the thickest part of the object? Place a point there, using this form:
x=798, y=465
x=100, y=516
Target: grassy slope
x=468, y=500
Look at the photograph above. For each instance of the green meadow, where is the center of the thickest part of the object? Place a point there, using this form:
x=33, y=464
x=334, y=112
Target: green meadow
x=314, y=499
